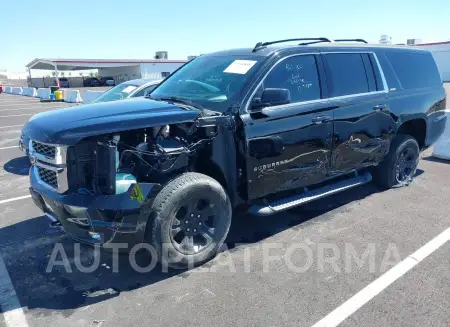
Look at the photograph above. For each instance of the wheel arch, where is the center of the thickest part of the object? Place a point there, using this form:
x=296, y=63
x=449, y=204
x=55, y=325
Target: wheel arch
x=219, y=162
x=416, y=127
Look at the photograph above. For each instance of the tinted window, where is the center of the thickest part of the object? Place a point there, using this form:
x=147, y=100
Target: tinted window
x=146, y=91
x=376, y=71
x=119, y=92
x=141, y=93
x=346, y=74
x=297, y=74
x=414, y=70
x=369, y=72
x=149, y=89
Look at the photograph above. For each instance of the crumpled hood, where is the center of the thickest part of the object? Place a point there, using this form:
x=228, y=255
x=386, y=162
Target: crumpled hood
x=69, y=125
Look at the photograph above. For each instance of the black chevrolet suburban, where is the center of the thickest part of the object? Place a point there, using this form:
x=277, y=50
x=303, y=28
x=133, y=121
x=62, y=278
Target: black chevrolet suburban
x=262, y=129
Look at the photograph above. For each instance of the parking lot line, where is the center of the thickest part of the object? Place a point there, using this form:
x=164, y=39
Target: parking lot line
x=15, y=199
x=21, y=99
x=11, y=308
x=349, y=307
x=16, y=103
x=9, y=147
x=10, y=126
x=32, y=108
x=17, y=115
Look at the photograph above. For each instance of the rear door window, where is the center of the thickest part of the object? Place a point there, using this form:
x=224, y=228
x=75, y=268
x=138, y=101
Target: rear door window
x=297, y=74
x=414, y=70
x=346, y=74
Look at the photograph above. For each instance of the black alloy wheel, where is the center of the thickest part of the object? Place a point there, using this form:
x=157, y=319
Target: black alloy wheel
x=193, y=227
x=406, y=165
x=190, y=219
x=399, y=166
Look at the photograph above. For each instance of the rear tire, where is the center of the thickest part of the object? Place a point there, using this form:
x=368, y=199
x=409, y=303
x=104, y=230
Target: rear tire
x=399, y=166
x=190, y=219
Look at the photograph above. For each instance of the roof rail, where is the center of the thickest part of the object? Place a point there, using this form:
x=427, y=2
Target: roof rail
x=260, y=45
x=351, y=40
x=313, y=42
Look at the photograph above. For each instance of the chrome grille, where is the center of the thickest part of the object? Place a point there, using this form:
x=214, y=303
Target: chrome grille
x=49, y=161
x=48, y=176
x=44, y=149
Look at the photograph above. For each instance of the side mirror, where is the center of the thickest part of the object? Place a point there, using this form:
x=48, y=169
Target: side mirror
x=272, y=97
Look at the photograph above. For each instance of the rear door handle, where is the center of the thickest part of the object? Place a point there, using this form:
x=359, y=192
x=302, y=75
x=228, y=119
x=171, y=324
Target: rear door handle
x=379, y=107
x=320, y=119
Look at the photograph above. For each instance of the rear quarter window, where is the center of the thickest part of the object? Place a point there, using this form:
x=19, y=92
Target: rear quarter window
x=414, y=70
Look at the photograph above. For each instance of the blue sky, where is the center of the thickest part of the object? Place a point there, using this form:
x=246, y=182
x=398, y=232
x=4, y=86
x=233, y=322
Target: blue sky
x=136, y=29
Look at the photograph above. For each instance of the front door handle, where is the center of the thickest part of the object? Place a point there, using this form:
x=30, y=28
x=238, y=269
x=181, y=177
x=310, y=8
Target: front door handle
x=320, y=119
x=379, y=107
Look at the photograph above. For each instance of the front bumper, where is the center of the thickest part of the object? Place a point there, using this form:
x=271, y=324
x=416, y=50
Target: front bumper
x=105, y=219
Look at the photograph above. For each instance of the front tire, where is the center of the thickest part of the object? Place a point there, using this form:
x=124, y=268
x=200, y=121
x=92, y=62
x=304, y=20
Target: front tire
x=190, y=219
x=399, y=166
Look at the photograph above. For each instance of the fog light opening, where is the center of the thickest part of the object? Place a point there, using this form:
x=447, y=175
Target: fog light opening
x=79, y=212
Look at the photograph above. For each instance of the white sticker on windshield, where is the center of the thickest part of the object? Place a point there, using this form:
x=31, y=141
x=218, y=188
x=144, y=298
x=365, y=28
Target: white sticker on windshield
x=240, y=66
x=128, y=89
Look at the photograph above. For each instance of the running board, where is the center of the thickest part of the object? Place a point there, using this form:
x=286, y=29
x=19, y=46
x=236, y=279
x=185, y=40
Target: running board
x=308, y=196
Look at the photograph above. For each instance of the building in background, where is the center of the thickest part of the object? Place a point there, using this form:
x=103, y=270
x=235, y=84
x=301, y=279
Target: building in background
x=385, y=39
x=441, y=53
x=13, y=78
x=161, y=55
x=120, y=69
x=3, y=78
x=413, y=41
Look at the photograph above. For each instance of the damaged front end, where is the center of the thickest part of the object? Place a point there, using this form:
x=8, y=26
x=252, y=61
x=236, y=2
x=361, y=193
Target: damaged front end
x=101, y=189
x=98, y=219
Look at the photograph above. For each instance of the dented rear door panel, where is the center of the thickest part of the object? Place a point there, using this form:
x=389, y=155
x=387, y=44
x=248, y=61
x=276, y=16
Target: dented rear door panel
x=363, y=129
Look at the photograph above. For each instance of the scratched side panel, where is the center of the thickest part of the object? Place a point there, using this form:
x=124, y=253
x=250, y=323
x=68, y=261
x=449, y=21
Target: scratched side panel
x=287, y=151
x=362, y=134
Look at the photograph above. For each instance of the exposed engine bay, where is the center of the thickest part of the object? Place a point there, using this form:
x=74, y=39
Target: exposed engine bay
x=109, y=164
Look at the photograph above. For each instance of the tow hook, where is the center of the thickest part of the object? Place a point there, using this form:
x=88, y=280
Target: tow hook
x=55, y=224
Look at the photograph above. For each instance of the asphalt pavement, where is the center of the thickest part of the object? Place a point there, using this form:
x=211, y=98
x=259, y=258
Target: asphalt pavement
x=329, y=259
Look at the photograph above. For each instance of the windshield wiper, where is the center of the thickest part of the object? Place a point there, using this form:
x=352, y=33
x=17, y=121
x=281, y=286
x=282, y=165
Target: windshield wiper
x=179, y=100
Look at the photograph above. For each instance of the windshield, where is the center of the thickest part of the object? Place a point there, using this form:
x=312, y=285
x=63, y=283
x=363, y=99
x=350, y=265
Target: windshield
x=209, y=81
x=119, y=92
